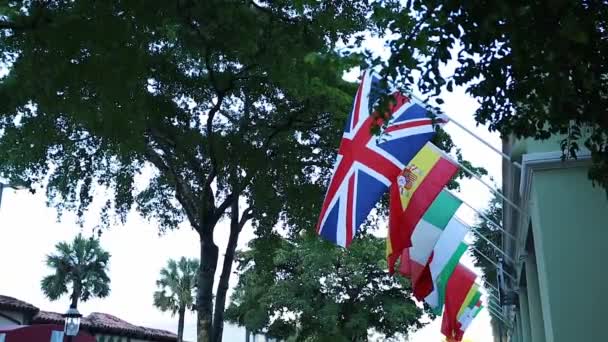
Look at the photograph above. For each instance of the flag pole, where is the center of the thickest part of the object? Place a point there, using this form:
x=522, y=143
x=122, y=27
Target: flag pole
x=495, y=306
x=504, y=155
x=478, y=233
x=493, y=262
x=492, y=295
x=494, y=313
x=492, y=287
x=497, y=314
x=496, y=192
x=484, y=216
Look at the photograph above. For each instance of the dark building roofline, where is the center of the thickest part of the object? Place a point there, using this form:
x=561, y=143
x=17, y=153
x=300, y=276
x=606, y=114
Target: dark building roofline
x=94, y=323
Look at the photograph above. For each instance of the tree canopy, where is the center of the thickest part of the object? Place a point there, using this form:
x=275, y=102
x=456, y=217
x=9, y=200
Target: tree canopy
x=82, y=265
x=306, y=289
x=536, y=68
x=228, y=103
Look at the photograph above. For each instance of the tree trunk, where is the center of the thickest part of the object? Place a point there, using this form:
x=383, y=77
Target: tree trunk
x=75, y=294
x=222, y=286
x=204, y=296
x=180, y=324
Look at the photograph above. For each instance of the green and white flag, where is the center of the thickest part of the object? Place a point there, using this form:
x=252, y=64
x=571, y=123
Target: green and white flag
x=447, y=252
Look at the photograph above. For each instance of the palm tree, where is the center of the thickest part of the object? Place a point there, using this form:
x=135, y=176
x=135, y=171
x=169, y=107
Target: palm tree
x=83, y=265
x=177, y=284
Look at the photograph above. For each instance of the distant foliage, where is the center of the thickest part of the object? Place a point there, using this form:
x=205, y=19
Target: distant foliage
x=537, y=68
x=177, y=289
x=306, y=289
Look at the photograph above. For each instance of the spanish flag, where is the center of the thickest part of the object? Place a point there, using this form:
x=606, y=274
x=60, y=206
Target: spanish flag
x=411, y=194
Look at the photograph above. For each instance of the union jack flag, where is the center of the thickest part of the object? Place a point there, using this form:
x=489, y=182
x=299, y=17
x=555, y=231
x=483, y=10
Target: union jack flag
x=366, y=165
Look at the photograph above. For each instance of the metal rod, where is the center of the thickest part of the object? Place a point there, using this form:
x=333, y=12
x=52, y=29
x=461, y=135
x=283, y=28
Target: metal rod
x=504, y=155
x=492, y=295
x=495, y=307
x=494, y=191
x=499, y=316
x=491, y=286
x=496, y=313
x=492, y=291
x=493, y=262
x=480, y=213
x=473, y=229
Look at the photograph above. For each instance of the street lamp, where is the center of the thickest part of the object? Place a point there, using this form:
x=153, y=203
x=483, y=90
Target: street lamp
x=72, y=323
x=12, y=186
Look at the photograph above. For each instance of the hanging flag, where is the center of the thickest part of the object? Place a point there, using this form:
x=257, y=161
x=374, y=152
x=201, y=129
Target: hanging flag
x=367, y=164
x=447, y=252
x=418, y=185
x=469, y=303
x=469, y=316
x=415, y=260
x=457, y=288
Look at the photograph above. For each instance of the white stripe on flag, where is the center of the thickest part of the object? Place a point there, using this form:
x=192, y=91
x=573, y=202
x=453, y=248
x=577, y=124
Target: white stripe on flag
x=424, y=238
x=446, y=246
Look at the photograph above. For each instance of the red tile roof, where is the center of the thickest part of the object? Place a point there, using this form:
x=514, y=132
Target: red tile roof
x=10, y=303
x=96, y=322
x=102, y=323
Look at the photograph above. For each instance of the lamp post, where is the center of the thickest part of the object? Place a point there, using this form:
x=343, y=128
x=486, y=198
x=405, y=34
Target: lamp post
x=72, y=323
x=12, y=186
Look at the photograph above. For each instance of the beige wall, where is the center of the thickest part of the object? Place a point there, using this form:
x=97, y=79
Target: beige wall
x=4, y=322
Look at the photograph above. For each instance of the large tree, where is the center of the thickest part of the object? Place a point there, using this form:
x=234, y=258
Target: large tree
x=537, y=68
x=306, y=289
x=177, y=289
x=232, y=105
x=81, y=265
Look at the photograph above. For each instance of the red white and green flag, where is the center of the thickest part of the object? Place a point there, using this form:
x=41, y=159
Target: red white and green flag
x=415, y=260
x=446, y=254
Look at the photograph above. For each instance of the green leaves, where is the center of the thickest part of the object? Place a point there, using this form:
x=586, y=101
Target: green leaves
x=82, y=265
x=177, y=285
x=533, y=68
x=321, y=292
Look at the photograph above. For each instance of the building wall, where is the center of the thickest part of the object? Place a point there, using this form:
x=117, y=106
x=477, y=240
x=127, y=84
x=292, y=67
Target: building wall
x=570, y=229
x=4, y=321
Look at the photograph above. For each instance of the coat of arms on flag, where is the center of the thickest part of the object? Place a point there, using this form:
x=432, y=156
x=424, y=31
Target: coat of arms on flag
x=366, y=166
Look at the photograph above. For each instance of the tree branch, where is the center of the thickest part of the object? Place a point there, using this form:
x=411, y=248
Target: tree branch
x=182, y=192
x=247, y=215
x=163, y=139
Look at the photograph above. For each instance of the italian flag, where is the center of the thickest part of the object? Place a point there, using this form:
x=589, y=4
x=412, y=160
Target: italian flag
x=447, y=252
x=412, y=193
x=415, y=260
x=458, y=289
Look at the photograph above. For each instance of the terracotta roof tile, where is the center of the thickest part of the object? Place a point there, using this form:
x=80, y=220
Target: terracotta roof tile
x=10, y=303
x=48, y=317
x=98, y=322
